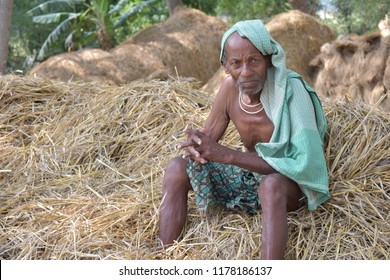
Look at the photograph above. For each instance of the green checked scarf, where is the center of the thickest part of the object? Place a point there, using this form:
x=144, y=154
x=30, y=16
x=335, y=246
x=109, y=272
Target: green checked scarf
x=296, y=146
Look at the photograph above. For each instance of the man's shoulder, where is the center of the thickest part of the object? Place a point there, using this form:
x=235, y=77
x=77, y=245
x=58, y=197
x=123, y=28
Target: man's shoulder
x=227, y=85
x=228, y=81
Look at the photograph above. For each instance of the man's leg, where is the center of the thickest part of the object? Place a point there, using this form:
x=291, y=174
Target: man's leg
x=278, y=196
x=173, y=212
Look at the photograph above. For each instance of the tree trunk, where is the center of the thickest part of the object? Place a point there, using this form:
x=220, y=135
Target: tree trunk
x=172, y=4
x=5, y=28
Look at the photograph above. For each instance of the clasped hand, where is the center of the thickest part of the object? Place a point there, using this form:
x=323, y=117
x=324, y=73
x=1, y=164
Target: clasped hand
x=199, y=146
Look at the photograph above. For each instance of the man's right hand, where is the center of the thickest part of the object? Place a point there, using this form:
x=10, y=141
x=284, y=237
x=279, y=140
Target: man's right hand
x=189, y=145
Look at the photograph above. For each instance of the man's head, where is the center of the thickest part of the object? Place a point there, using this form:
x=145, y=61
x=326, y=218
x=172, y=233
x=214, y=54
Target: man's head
x=246, y=53
x=245, y=64
x=255, y=32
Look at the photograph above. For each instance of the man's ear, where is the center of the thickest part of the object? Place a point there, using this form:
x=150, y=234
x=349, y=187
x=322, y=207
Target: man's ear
x=223, y=63
x=226, y=71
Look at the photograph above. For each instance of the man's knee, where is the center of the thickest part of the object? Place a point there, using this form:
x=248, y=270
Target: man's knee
x=277, y=189
x=177, y=166
x=176, y=175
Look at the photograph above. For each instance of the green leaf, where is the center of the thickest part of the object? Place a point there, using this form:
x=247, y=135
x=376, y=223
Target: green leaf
x=53, y=18
x=132, y=11
x=119, y=6
x=53, y=6
x=100, y=5
x=87, y=39
x=55, y=34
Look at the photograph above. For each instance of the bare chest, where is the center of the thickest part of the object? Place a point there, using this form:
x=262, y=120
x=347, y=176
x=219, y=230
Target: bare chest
x=252, y=128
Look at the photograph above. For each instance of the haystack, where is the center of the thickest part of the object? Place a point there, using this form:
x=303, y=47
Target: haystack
x=301, y=36
x=186, y=44
x=81, y=167
x=356, y=67
x=213, y=85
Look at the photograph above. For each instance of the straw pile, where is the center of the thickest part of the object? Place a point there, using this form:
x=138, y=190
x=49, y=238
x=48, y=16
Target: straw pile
x=356, y=67
x=188, y=43
x=301, y=36
x=81, y=167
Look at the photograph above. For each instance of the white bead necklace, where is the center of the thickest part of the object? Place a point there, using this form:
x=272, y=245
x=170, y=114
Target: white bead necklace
x=240, y=102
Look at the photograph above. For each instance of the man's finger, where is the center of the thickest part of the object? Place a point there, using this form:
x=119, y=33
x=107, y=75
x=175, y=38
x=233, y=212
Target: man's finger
x=203, y=130
x=193, y=152
x=192, y=134
x=187, y=143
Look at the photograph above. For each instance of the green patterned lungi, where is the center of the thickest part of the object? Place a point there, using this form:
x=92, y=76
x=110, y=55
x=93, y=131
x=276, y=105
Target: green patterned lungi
x=224, y=184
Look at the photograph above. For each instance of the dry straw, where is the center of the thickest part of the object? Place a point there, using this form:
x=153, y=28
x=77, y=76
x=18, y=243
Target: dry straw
x=81, y=167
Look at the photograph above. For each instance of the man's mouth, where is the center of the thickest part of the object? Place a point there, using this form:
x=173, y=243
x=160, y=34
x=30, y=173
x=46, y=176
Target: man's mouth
x=248, y=83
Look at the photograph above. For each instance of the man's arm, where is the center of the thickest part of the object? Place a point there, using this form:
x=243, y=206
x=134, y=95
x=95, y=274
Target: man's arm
x=218, y=119
x=208, y=149
x=215, y=125
x=202, y=145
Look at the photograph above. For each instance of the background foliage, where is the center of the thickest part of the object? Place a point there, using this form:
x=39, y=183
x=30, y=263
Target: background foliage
x=27, y=37
x=246, y=9
x=359, y=16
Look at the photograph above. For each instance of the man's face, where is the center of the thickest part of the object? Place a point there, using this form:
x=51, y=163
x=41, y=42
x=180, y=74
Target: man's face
x=246, y=65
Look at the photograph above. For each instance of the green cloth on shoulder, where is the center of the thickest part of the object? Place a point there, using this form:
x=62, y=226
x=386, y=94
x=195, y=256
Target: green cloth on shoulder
x=296, y=146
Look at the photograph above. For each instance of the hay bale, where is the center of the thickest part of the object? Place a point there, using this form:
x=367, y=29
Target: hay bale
x=301, y=36
x=213, y=85
x=186, y=44
x=81, y=168
x=355, y=67
x=86, y=64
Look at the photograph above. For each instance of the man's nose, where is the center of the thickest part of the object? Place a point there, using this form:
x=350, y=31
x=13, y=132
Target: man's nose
x=246, y=70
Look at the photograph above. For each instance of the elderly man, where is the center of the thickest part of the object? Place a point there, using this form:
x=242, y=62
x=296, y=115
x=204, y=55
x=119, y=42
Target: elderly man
x=282, y=126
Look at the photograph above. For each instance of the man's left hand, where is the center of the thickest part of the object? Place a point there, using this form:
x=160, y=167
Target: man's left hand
x=201, y=148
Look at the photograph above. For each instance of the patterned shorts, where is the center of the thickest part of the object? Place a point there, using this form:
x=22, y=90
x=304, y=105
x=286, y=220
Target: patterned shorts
x=224, y=184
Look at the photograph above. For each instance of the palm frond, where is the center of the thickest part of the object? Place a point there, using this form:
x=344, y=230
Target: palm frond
x=88, y=39
x=69, y=39
x=54, y=5
x=53, y=17
x=119, y=6
x=100, y=5
x=132, y=11
x=55, y=34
